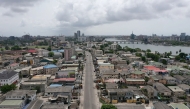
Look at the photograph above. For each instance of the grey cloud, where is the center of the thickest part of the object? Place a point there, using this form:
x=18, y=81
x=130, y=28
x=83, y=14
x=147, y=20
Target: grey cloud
x=23, y=3
x=85, y=13
x=19, y=10
x=18, y=6
x=22, y=23
x=8, y=14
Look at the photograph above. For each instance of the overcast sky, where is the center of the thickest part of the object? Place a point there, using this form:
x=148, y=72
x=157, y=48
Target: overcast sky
x=94, y=17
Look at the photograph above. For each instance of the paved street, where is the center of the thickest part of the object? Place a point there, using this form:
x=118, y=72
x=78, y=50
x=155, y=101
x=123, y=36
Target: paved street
x=90, y=100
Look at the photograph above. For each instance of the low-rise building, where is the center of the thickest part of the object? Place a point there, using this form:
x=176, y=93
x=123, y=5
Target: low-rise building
x=185, y=87
x=111, y=86
x=32, y=85
x=161, y=105
x=65, y=81
x=98, y=53
x=50, y=69
x=36, y=71
x=55, y=106
x=113, y=46
x=170, y=80
x=21, y=95
x=36, y=104
x=121, y=95
x=180, y=79
x=8, y=77
x=134, y=81
x=130, y=106
x=150, y=92
x=103, y=66
x=56, y=93
x=162, y=90
x=12, y=104
x=13, y=66
x=137, y=74
x=178, y=106
x=177, y=92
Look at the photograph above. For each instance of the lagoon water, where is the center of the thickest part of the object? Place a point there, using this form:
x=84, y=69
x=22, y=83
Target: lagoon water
x=153, y=48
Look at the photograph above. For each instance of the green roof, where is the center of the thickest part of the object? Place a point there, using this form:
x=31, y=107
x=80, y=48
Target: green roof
x=171, y=57
x=156, y=63
x=175, y=68
x=11, y=102
x=179, y=106
x=137, y=72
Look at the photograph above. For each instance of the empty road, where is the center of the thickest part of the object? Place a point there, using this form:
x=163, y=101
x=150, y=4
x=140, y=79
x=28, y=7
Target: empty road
x=91, y=100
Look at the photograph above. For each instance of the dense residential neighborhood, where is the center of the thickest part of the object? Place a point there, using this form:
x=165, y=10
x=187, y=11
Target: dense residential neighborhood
x=91, y=73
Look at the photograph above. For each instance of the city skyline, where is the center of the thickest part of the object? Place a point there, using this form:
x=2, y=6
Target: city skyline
x=109, y=17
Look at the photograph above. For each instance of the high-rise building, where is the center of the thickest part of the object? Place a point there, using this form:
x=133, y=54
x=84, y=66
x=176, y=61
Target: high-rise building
x=78, y=33
x=75, y=35
x=182, y=36
x=62, y=38
x=67, y=54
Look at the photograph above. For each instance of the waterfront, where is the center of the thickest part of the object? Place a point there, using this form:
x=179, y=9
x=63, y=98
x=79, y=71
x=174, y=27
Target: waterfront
x=154, y=48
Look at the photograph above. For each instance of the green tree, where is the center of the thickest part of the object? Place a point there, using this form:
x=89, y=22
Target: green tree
x=54, y=61
x=182, y=55
x=143, y=59
x=16, y=47
x=127, y=62
x=94, y=46
x=6, y=88
x=146, y=79
x=148, y=50
x=49, y=48
x=108, y=106
x=17, y=60
x=177, y=58
x=2, y=49
x=50, y=54
x=119, y=47
x=138, y=54
x=7, y=47
x=164, y=62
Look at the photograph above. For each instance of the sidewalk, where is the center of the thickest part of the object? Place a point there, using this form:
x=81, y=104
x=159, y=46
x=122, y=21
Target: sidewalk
x=82, y=90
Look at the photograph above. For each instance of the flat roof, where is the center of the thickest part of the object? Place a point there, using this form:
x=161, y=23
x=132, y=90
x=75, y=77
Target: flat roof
x=54, y=106
x=11, y=102
x=50, y=66
x=133, y=79
x=161, y=105
x=37, y=68
x=178, y=106
x=33, y=83
x=175, y=88
x=137, y=72
x=130, y=106
x=35, y=104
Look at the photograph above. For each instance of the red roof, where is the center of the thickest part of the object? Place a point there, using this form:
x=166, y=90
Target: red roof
x=64, y=79
x=151, y=68
x=32, y=51
x=154, y=69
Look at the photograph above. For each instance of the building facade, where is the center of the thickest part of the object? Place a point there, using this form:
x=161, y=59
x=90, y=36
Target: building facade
x=8, y=77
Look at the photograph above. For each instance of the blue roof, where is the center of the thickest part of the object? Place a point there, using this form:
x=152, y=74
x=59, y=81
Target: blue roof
x=50, y=66
x=55, y=85
x=60, y=51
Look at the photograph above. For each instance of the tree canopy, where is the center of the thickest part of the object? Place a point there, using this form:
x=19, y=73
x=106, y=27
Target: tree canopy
x=50, y=54
x=6, y=88
x=108, y=106
x=49, y=48
x=16, y=47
